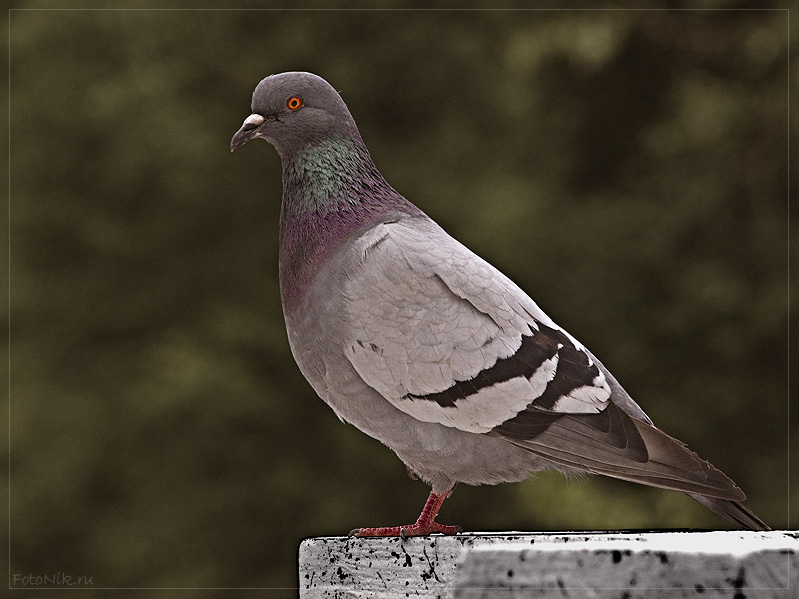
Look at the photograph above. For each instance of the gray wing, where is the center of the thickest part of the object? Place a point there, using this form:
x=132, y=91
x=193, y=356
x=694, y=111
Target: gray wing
x=445, y=337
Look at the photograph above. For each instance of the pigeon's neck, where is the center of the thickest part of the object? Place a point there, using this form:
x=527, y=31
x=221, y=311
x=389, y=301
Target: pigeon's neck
x=331, y=190
x=320, y=179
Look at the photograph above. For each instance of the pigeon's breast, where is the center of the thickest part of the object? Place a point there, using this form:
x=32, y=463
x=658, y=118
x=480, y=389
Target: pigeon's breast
x=317, y=317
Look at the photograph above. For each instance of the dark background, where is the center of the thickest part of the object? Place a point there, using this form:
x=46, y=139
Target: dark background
x=629, y=169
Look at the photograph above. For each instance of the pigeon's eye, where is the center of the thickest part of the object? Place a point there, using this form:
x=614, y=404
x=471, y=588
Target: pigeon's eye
x=293, y=103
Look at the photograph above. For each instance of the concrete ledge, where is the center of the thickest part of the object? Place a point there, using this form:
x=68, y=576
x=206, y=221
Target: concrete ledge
x=513, y=565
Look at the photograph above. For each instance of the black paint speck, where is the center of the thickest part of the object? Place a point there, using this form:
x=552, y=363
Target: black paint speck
x=664, y=557
x=738, y=583
x=699, y=588
x=408, y=560
x=510, y=573
x=431, y=573
x=616, y=556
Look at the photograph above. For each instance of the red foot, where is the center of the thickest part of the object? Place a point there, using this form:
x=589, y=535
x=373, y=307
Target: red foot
x=412, y=530
x=425, y=525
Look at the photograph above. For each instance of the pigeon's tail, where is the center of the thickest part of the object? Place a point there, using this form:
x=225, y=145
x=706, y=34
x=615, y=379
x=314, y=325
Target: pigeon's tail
x=614, y=444
x=732, y=511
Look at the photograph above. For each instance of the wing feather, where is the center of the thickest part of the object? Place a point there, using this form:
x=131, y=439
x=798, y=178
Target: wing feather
x=614, y=444
x=447, y=338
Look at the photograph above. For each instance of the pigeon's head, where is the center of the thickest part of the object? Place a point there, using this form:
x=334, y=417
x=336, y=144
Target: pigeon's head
x=294, y=110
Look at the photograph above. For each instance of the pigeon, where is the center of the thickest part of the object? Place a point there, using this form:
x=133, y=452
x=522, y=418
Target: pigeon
x=421, y=344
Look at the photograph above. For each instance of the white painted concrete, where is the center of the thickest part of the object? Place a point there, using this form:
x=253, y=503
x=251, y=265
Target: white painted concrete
x=738, y=565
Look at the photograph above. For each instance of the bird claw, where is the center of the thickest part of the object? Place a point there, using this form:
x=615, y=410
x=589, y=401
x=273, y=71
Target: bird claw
x=426, y=523
x=411, y=530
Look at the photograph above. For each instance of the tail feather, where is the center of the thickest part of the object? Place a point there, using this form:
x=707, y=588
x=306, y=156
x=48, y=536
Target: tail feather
x=732, y=511
x=616, y=450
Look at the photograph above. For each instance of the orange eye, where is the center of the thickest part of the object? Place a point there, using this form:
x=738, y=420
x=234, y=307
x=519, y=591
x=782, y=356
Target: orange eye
x=293, y=103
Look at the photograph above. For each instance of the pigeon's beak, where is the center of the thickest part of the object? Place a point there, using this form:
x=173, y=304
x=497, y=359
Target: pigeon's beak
x=249, y=129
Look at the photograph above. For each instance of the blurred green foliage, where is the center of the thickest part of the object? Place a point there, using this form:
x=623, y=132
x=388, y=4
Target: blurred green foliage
x=628, y=168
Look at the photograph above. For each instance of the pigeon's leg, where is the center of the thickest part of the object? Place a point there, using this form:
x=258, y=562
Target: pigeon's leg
x=425, y=525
